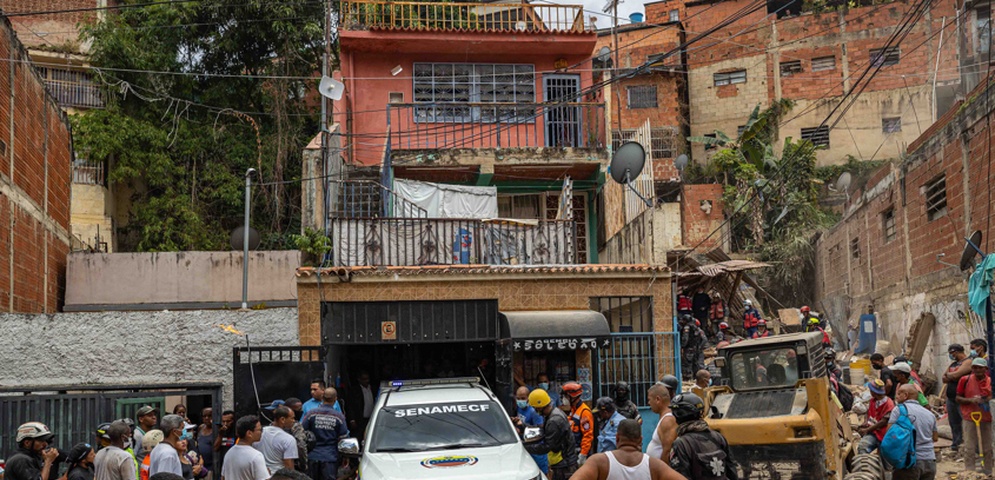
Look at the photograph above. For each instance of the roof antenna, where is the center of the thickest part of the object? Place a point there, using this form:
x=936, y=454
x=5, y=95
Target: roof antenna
x=482, y=377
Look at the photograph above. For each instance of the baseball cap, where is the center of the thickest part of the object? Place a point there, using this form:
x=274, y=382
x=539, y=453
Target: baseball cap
x=877, y=386
x=188, y=426
x=147, y=410
x=79, y=451
x=979, y=362
x=902, y=367
x=955, y=347
x=275, y=404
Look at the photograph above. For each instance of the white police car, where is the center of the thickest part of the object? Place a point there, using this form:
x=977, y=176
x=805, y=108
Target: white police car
x=442, y=429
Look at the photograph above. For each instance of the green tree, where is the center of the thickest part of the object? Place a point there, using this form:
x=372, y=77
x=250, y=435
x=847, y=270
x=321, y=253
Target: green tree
x=772, y=199
x=182, y=141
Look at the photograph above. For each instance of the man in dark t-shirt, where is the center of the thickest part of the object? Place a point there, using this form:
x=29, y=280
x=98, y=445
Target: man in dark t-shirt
x=328, y=426
x=225, y=437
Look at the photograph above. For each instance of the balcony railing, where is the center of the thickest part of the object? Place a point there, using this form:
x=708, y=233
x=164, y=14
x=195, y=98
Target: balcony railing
x=89, y=173
x=418, y=126
x=433, y=241
x=447, y=16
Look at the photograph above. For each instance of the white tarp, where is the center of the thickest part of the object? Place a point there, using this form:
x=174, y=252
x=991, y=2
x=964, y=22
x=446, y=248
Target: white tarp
x=449, y=201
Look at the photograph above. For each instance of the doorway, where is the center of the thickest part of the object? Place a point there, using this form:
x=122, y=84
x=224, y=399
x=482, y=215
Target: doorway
x=563, y=123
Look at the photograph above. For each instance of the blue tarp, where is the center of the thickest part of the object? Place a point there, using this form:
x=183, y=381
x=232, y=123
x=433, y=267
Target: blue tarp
x=979, y=287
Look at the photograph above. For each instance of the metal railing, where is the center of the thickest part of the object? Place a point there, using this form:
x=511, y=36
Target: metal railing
x=453, y=16
x=444, y=241
x=89, y=174
x=640, y=359
x=418, y=126
x=76, y=94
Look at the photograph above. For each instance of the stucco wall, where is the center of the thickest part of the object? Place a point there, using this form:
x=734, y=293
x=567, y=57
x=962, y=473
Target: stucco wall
x=173, y=280
x=89, y=216
x=135, y=348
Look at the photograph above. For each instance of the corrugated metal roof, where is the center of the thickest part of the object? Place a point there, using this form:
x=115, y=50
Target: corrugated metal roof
x=715, y=269
x=482, y=270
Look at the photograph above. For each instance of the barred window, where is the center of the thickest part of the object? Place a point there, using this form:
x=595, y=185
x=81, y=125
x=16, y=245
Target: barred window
x=729, y=78
x=855, y=248
x=823, y=63
x=790, y=68
x=664, y=141
x=936, y=198
x=885, y=56
x=891, y=125
x=888, y=224
x=466, y=83
x=642, y=96
x=819, y=136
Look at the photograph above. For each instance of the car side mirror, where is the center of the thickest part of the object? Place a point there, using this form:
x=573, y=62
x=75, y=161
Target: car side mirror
x=532, y=434
x=350, y=446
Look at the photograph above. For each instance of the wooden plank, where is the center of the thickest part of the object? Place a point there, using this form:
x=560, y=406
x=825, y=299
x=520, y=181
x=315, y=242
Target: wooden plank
x=919, y=335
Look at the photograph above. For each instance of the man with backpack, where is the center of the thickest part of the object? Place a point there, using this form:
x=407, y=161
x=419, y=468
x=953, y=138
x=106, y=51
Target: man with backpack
x=973, y=393
x=908, y=443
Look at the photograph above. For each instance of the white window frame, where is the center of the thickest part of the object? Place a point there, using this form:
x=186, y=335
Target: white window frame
x=474, y=86
x=734, y=77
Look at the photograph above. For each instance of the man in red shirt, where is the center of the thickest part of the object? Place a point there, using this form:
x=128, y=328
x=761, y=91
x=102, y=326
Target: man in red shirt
x=973, y=393
x=878, y=413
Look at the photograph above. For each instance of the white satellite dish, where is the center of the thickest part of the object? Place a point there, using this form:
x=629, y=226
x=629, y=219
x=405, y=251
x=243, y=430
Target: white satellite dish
x=681, y=162
x=604, y=54
x=331, y=88
x=843, y=183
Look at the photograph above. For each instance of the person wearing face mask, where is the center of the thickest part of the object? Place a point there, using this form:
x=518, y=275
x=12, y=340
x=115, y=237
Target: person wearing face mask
x=877, y=362
x=542, y=381
x=528, y=417
x=112, y=462
x=557, y=439
x=624, y=405
x=960, y=366
x=702, y=380
x=979, y=348
x=165, y=456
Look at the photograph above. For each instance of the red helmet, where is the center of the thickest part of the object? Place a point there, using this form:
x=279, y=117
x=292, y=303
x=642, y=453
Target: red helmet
x=573, y=389
x=697, y=322
x=805, y=309
x=761, y=323
x=723, y=326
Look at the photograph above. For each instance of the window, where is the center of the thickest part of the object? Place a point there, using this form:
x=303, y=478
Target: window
x=885, y=57
x=936, y=198
x=855, y=248
x=396, y=97
x=891, y=125
x=983, y=28
x=888, y=224
x=663, y=141
x=642, y=96
x=819, y=136
x=519, y=206
x=822, y=64
x=729, y=78
x=709, y=146
x=437, y=426
x=476, y=83
x=790, y=68
x=766, y=368
x=675, y=15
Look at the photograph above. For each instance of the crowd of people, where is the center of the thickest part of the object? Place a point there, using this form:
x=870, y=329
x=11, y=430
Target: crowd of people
x=584, y=444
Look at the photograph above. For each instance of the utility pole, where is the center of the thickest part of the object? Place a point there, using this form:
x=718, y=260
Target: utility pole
x=245, y=239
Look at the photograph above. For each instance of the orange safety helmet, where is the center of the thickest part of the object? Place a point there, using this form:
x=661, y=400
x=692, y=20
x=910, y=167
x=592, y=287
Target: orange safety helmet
x=573, y=389
x=805, y=309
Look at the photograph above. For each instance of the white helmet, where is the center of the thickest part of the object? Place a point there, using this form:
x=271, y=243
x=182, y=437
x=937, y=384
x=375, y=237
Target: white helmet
x=33, y=430
x=748, y=302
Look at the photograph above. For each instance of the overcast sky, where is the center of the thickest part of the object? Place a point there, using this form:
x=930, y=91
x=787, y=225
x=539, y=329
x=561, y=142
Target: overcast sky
x=593, y=8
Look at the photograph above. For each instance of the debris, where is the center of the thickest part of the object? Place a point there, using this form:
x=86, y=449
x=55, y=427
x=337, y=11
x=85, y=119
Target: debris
x=919, y=336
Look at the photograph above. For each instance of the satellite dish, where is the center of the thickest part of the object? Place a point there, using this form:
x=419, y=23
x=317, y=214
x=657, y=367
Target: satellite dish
x=970, y=251
x=681, y=162
x=604, y=54
x=331, y=88
x=627, y=162
x=843, y=183
x=237, y=236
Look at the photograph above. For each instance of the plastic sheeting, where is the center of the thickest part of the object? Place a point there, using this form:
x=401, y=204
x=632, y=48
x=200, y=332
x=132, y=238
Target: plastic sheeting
x=449, y=201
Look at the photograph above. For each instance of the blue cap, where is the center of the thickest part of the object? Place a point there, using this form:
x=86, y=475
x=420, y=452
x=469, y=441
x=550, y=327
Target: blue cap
x=275, y=404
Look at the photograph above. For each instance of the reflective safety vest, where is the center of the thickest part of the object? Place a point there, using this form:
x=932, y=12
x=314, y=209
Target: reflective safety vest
x=582, y=425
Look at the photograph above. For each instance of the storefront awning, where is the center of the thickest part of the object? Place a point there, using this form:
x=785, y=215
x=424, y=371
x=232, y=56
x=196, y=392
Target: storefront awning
x=536, y=331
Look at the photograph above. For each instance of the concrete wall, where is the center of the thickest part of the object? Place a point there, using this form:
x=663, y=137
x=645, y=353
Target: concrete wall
x=703, y=214
x=90, y=216
x=35, y=156
x=908, y=274
x=647, y=239
x=135, y=348
x=173, y=280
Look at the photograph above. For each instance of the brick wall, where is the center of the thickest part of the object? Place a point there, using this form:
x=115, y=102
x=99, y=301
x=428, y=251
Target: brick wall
x=699, y=224
x=907, y=273
x=51, y=30
x=35, y=158
x=760, y=44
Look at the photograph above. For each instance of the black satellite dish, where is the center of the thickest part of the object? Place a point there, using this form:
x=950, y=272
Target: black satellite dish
x=238, y=236
x=628, y=162
x=971, y=249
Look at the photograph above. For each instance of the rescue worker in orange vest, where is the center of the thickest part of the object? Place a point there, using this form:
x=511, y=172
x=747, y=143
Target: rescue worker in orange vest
x=813, y=325
x=581, y=421
x=750, y=318
x=762, y=331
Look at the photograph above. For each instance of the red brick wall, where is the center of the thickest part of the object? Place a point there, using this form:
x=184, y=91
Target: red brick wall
x=35, y=162
x=697, y=224
x=51, y=30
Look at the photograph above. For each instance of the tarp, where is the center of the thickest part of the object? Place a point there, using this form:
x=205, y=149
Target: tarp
x=979, y=286
x=449, y=201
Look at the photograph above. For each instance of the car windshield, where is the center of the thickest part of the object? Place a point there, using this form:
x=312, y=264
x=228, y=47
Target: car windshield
x=417, y=428
x=776, y=367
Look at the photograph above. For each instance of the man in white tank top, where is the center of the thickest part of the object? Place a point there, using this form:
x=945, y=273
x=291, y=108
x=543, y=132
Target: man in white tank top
x=666, y=429
x=628, y=462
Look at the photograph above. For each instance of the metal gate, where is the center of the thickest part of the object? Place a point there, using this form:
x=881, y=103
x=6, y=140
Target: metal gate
x=562, y=123
x=73, y=417
x=264, y=374
x=640, y=359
